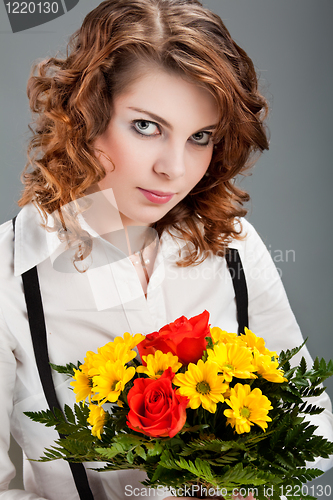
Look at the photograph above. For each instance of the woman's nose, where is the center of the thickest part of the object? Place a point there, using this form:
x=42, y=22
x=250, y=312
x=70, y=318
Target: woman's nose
x=171, y=161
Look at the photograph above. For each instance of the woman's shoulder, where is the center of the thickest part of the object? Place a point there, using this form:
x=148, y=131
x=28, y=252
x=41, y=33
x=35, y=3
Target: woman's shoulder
x=5, y=228
x=248, y=239
x=26, y=240
x=6, y=238
x=257, y=261
x=243, y=227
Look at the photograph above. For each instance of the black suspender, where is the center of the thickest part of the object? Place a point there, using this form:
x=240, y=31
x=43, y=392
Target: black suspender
x=39, y=339
x=239, y=282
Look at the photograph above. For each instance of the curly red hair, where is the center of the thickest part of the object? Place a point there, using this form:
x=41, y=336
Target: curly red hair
x=72, y=97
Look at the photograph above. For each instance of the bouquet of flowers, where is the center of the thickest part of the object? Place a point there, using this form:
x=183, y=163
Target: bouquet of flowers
x=202, y=410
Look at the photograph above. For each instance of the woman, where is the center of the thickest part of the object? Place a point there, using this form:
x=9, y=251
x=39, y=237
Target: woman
x=129, y=206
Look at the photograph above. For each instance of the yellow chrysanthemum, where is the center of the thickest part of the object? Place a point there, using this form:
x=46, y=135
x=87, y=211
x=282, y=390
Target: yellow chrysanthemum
x=157, y=363
x=268, y=367
x=202, y=385
x=223, y=337
x=130, y=340
x=111, y=352
x=233, y=361
x=114, y=351
x=88, y=362
x=247, y=408
x=111, y=381
x=96, y=419
x=227, y=393
x=82, y=385
x=252, y=341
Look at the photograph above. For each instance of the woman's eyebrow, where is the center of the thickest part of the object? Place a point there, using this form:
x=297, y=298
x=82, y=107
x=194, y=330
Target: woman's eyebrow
x=164, y=122
x=154, y=117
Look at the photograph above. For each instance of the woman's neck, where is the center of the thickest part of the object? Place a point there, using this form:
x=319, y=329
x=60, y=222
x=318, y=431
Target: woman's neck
x=103, y=216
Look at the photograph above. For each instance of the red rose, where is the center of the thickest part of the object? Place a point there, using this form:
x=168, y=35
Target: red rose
x=155, y=408
x=184, y=338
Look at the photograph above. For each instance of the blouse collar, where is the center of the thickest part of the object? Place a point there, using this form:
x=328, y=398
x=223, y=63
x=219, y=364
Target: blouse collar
x=33, y=244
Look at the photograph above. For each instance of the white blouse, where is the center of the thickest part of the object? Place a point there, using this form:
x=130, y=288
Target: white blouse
x=86, y=310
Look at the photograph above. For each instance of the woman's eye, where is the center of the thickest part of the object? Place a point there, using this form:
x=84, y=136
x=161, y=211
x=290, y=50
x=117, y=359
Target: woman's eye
x=201, y=138
x=145, y=127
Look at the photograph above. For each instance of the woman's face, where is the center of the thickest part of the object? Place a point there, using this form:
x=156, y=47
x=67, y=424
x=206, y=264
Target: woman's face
x=159, y=141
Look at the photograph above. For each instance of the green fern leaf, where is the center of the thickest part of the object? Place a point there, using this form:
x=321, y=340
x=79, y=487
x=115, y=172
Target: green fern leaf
x=199, y=469
x=69, y=414
x=81, y=413
x=46, y=417
x=215, y=445
x=302, y=367
x=285, y=356
x=66, y=369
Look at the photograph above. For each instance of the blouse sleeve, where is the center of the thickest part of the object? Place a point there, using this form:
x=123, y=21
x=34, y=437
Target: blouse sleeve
x=7, y=385
x=271, y=317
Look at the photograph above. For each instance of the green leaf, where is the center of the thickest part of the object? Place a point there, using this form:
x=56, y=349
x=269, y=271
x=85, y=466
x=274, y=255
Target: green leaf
x=81, y=413
x=302, y=367
x=111, y=452
x=285, y=356
x=66, y=369
x=140, y=452
x=46, y=417
x=168, y=460
x=130, y=456
x=69, y=414
x=199, y=469
x=154, y=449
x=194, y=429
x=238, y=475
x=210, y=343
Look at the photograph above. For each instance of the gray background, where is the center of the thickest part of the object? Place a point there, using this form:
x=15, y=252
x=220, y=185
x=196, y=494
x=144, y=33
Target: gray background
x=290, y=42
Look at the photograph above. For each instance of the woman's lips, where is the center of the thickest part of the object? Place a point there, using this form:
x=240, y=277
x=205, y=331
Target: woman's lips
x=156, y=196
